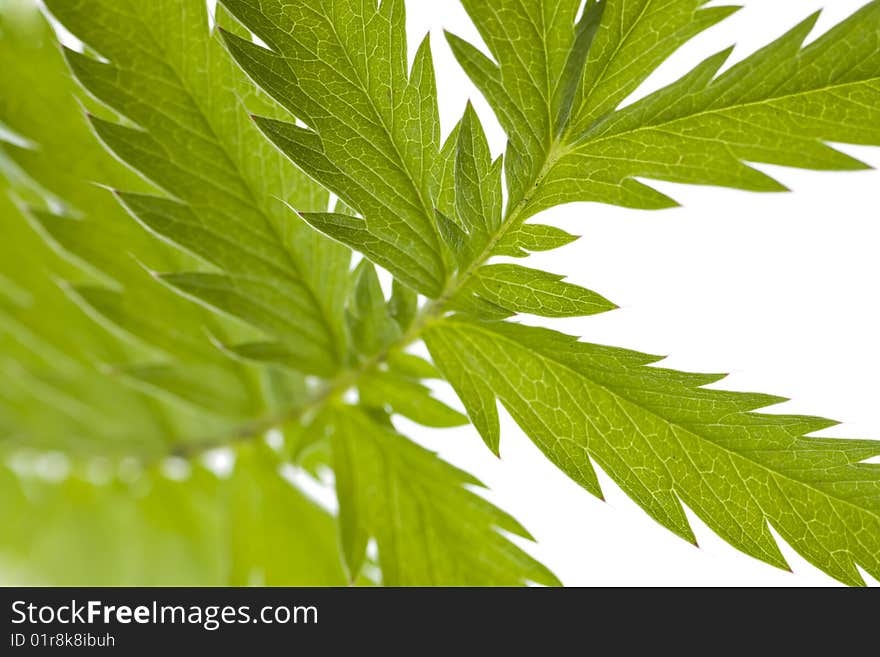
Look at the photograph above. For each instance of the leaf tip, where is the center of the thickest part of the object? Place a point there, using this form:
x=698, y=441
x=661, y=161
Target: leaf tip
x=810, y=21
x=456, y=43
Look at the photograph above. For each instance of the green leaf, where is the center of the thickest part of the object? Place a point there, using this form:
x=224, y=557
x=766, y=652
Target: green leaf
x=353, y=232
x=457, y=367
x=264, y=352
x=630, y=40
x=51, y=357
x=60, y=394
x=456, y=240
x=409, y=399
x=523, y=290
x=121, y=311
x=63, y=160
x=373, y=135
x=530, y=43
x=778, y=106
x=477, y=180
x=666, y=439
x=282, y=313
x=411, y=366
x=533, y=237
x=205, y=388
x=229, y=222
x=193, y=138
x=476, y=306
x=429, y=528
x=279, y=537
x=371, y=325
x=403, y=305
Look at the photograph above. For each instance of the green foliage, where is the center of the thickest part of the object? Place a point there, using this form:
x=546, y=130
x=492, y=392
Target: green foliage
x=211, y=299
x=663, y=438
x=172, y=78
x=777, y=106
x=192, y=378
x=523, y=290
x=373, y=135
x=106, y=252
x=411, y=501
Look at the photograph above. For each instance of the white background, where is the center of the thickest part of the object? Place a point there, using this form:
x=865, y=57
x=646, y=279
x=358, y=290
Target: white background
x=779, y=290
